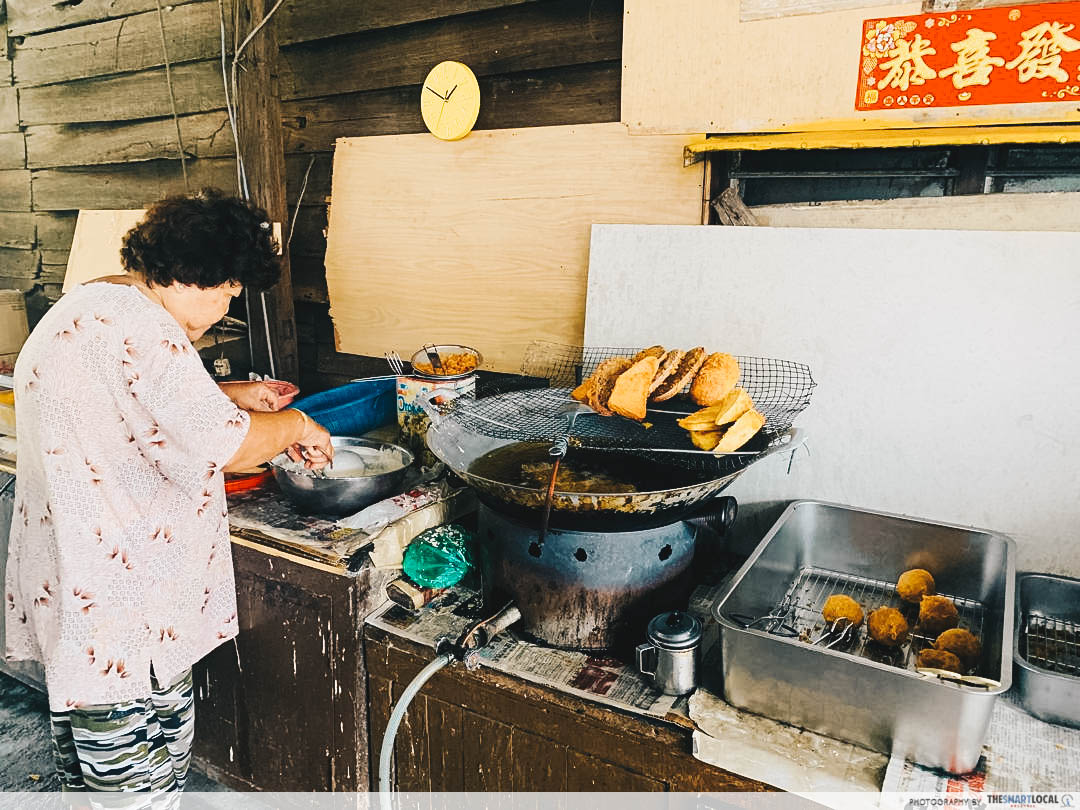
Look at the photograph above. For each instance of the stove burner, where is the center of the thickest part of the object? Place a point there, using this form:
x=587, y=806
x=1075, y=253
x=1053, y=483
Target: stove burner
x=585, y=590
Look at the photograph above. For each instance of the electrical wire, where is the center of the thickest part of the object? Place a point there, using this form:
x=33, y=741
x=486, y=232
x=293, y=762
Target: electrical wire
x=300, y=199
x=229, y=77
x=172, y=96
x=228, y=102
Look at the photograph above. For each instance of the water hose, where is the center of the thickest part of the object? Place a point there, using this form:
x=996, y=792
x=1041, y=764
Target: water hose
x=476, y=637
x=386, y=750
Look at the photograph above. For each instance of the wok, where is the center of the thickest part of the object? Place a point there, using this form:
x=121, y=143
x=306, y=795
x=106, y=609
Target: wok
x=592, y=511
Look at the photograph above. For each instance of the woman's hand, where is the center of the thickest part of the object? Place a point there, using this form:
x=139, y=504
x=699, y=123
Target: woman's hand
x=252, y=396
x=314, y=449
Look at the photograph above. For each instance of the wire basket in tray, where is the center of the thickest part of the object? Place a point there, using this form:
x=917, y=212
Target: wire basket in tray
x=780, y=389
x=798, y=615
x=1051, y=643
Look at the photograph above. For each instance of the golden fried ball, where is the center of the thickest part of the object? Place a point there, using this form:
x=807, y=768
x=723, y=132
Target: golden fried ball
x=940, y=659
x=962, y=644
x=936, y=615
x=887, y=626
x=913, y=585
x=841, y=606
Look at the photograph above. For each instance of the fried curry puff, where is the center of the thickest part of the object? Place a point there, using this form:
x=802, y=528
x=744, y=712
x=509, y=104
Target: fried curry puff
x=887, y=626
x=913, y=585
x=936, y=615
x=940, y=659
x=841, y=606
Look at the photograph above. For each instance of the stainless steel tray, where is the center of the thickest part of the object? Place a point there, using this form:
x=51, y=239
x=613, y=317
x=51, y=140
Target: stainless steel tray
x=1047, y=647
x=858, y=693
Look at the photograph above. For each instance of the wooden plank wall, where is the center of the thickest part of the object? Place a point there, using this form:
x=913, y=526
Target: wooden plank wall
x=85, y=110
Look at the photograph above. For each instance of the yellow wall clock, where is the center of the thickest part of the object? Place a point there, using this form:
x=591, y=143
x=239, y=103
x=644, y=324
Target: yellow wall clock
x=450, y=100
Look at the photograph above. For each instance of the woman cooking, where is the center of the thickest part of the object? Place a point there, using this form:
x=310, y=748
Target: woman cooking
x=119, y=573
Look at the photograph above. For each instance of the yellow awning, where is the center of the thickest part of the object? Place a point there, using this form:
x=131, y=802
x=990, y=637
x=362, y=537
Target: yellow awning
x=881, y=138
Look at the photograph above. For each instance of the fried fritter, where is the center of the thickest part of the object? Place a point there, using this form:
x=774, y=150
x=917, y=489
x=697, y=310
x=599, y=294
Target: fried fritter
x=581, y=393
x=734, y=405
x=913, y=585
x=705, y=439
x=718, y=375
x=669, y=364
x=936, y=615
x=603, y=381
x=961, y=643
x=691, y=363
x=742, y=431
x=657, y=351
x=887, y=626
x=842, y=606
x=940, y=659
x=630, y=394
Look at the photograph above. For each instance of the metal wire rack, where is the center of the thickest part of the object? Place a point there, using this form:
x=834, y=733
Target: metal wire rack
x=1051, y=643
x=798, y=615
x=780, y=389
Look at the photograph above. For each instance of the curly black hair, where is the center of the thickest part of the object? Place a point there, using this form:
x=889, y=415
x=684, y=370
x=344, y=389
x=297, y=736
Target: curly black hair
x=207, y=239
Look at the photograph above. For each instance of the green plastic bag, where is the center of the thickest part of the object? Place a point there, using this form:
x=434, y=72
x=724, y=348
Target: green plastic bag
x=438, y=557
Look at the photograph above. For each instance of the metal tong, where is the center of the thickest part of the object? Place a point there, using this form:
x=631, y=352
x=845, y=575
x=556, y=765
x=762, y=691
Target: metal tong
x=841, y=631
x=778, y=622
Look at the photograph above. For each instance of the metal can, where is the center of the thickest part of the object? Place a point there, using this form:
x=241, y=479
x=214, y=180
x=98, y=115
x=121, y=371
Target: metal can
x=411, y=417
x=671, y=655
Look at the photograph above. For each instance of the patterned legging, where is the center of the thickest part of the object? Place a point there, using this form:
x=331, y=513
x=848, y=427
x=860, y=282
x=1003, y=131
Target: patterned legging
x=143, y=745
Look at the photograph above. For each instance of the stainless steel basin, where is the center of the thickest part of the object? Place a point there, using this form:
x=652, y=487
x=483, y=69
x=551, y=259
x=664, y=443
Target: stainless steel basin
x=1047, y=651
x=857, y=693
x=342, y=495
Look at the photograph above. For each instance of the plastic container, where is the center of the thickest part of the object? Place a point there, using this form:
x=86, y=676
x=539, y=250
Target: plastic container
x=354, y=408
x=410, y=414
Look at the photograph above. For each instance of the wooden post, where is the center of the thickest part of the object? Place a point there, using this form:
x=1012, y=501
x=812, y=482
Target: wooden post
x=263, y=151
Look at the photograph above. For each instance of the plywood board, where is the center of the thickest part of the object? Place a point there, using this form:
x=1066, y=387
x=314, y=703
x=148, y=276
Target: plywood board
x=484, y=241
x=95, y=250
x=945, y=360
x=975, y=212
x=718, y=74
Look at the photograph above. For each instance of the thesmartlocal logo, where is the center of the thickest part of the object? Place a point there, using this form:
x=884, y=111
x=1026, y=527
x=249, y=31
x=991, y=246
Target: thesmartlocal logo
x=1030, y=799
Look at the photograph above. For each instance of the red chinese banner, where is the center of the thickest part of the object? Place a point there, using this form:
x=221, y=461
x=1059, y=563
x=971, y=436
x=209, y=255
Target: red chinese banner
x=1004, y=55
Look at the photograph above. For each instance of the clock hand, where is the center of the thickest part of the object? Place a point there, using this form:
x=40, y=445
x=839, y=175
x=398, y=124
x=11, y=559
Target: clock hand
x=438, y=94
x=452, y=89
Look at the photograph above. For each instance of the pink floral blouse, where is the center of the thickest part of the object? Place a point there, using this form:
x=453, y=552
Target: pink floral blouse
x=119, y=556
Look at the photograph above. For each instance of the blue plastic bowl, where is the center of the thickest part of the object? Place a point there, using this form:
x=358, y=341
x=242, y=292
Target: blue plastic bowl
x=352, y=409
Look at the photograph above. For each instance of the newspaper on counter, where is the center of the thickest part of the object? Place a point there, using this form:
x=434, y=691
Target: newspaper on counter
x=1022, y=754
x=595, y=677
x=389, y=524
x=790, y=758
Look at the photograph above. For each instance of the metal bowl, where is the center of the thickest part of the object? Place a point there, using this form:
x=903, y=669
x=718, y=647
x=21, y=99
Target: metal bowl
x=444, y=350
x=339, y=495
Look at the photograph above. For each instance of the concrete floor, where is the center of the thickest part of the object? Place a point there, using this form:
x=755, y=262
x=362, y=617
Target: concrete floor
x=26, y=759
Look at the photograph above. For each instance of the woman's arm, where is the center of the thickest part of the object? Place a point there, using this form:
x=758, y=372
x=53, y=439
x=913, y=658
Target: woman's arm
x=251, y=396
x=292, y=431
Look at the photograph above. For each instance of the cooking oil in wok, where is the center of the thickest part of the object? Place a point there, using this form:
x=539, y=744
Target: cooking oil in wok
x=529, y=464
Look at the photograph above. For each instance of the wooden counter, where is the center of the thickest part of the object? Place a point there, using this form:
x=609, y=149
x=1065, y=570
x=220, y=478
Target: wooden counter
x=488, y=731
x=292, y=714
